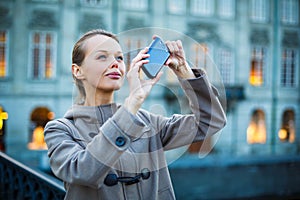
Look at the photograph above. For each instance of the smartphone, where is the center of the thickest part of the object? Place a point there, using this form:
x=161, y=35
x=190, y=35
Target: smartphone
x=159, y=54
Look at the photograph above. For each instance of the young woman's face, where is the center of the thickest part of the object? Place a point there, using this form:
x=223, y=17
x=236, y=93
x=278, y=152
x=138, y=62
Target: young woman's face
x=103, y=67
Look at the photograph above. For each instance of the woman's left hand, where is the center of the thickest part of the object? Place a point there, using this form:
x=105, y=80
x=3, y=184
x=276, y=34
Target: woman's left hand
x=177, y=60
x=139, y=87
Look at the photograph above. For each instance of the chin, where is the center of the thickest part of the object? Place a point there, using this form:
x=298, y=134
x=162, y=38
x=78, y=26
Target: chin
x=114, y=88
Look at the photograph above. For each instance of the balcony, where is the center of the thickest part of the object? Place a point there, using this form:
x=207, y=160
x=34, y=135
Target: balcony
x=233, y=95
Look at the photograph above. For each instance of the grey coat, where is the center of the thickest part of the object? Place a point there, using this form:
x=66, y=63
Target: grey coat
x=109, y=140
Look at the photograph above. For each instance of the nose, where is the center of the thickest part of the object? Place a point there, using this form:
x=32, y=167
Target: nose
x=114, y=64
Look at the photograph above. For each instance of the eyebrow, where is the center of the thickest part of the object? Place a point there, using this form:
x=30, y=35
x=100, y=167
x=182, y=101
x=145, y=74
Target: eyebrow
x=107, y=51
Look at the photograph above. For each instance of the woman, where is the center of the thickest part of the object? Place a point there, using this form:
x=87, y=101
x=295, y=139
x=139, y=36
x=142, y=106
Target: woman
x=106, y=151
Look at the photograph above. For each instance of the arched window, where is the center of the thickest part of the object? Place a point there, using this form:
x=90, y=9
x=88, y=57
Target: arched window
x=256, y=131
x=287, y=130
x=39, y=118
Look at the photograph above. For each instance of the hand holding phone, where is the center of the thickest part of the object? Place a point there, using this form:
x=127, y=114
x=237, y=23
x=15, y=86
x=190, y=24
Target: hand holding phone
x=159, y=54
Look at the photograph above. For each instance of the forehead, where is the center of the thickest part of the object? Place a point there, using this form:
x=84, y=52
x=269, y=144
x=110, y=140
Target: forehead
x=101, y=42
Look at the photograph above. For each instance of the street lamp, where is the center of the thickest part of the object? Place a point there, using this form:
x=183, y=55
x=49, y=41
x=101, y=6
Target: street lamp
x=3, y=116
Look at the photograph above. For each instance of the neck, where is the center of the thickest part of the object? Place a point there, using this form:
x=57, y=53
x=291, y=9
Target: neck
x=99, y=98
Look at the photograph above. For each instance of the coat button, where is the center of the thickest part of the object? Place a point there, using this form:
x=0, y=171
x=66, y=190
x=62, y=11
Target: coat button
x=120, y=141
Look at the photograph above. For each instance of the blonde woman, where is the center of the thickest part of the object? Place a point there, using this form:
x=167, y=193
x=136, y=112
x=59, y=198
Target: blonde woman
x=102, y=150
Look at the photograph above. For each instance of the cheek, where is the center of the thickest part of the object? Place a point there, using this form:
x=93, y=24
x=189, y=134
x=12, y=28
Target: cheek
x=122, y=67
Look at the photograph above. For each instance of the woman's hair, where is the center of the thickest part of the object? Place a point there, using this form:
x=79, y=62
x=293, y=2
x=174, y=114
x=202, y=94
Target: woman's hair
x=78, y=56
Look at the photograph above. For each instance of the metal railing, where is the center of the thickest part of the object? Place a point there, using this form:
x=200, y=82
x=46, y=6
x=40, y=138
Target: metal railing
x=18, y=181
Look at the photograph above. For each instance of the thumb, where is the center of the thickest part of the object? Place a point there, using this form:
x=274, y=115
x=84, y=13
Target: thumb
x=157, y=78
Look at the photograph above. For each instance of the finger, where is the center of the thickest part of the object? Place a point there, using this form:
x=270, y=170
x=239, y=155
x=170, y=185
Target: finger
x=173, y=47
x=157, y=78
x=170, y=46
x=139, y=57
x=139, y=64
x=154, y=36
x=142, y=55
x=179, y=44
x=168, y=61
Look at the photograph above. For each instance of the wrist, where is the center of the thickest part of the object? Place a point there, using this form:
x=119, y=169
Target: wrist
x=132, y=105
x=185, y=72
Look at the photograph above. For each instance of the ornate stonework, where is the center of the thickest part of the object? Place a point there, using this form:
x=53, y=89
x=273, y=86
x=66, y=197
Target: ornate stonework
x=91, y=21
x=290, y=39
x=132, y=23
x=203, y=32
x=43, y=19
x=259, y=36
x=6, y=19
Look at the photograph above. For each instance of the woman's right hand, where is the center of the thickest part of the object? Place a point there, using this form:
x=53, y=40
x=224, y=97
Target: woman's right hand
x=139, y=88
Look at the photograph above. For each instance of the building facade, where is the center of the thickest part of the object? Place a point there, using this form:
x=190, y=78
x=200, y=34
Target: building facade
x=249, y=48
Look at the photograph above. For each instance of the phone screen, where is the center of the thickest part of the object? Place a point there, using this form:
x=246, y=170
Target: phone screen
x=159, y=54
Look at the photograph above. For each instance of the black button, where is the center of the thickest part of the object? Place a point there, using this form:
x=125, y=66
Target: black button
x=145, y=173
x=120, y=141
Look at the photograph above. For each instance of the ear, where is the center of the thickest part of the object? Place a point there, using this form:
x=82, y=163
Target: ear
x=77, y=71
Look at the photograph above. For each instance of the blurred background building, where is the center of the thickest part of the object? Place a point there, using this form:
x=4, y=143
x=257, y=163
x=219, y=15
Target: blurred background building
x=252, y=44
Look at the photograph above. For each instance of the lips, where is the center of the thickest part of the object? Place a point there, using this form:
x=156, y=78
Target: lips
x=114, y=75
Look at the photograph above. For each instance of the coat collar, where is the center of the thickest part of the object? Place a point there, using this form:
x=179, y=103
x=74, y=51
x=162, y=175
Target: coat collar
x=92, y=114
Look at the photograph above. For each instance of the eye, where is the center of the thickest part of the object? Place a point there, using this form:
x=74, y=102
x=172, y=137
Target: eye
x=120, y=58
x=102, y=57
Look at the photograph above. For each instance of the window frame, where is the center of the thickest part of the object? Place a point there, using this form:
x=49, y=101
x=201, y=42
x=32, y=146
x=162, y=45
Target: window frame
x=291, y=5
x=129, y=6
x=200, y=55
x=226, y=9
x=204, y=12
x=227, y=66
x=264, y=61
x=42, y=59
x=288, y=131
x=182, y=9
x=295, y=73
x=257, y=117
x=259, y=11
x=96, y=3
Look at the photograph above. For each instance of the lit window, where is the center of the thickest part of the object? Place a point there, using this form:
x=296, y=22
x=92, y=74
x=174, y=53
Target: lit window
x=288, y=68
x=200, y=55
x=226, y=8
x=225, y=64
x=258, y=65
x=259, y=10
x=3, y=53
x=137, y=5
x=177, y=6
x=287, y=131
x=256, y=131
x=39, y=118
x=289, y=11
x=42, y=55
x=94, y=2
x=202, y=7
x=38, y=141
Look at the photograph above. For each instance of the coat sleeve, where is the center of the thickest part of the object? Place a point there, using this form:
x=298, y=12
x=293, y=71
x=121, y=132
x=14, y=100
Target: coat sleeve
x=88, y=164
x=207, y=116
